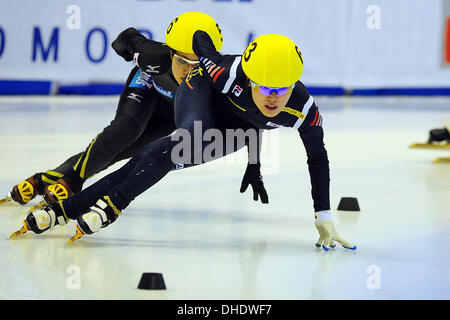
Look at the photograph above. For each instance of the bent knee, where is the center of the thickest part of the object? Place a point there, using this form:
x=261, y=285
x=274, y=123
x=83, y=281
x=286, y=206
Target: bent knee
x=121, y=133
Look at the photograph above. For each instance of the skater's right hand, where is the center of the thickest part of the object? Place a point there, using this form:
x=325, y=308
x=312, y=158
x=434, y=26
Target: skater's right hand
x=253, y=177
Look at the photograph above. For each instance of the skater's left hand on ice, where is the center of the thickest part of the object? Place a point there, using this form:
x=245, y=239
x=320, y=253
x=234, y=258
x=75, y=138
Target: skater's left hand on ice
x=253, y=177
x=327, y=232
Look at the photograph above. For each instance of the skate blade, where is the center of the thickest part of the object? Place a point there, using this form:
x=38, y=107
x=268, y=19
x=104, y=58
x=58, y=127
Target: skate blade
x=38, y=206
x=430, y=146
x=441, y=160
x=7, y=199
x=21, y=231
x=77, y=236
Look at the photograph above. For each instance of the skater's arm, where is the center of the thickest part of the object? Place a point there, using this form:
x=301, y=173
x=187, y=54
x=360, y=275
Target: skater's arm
x=203, y=46
x=311, y=133
x=221, y=69
x=151, y=56
x=252, y=175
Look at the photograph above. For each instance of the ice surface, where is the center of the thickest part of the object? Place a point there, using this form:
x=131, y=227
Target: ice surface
x=211, y=242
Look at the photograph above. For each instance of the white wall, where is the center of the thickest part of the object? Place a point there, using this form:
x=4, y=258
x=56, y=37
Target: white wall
x=338, y=47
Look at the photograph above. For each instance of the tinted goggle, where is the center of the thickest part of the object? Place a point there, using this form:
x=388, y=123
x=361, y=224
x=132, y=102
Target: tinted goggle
x=185, y=62
x=266, y=91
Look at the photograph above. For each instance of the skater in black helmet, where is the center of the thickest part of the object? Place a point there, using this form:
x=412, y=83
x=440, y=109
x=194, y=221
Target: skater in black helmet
x=144, y=113
x=226, y=96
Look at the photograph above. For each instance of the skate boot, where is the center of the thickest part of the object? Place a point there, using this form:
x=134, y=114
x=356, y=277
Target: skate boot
x=63, y=187
x=56, y=192
x=52, y=193
x=37, y=184
x=439, y=135
x=101, y=215
x=439, y=139
x=43, y=219
x=26, y=191
x=59, y=190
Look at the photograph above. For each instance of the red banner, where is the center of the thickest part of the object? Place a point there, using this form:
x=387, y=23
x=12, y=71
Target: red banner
x=447, y=41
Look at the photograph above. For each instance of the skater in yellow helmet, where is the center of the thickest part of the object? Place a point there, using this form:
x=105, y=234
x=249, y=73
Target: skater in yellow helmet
x=144, y=112
x=231, y=94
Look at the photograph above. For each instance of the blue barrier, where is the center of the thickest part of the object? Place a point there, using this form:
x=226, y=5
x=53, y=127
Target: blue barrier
x=18, y=87
x=8, y=87
x=91, y=89
x=402, y=92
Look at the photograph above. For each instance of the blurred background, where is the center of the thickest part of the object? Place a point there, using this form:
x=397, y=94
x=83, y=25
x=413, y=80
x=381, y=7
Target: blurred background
x=358, y=47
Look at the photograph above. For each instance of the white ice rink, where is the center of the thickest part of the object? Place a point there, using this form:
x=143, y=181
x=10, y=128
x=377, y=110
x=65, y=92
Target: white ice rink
x=211, y=242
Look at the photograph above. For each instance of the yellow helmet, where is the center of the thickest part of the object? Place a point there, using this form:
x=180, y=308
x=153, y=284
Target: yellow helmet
x=272, y=60
x=181, y=30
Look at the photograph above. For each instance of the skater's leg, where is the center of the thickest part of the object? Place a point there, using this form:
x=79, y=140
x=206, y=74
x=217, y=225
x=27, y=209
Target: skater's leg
x=154, y=161
x=146, y=168
x=79, y=203
x=131, y=119
x=158, y=126
x=65, y=171
x=136, y=106
x=134, y=110
x=195, y=112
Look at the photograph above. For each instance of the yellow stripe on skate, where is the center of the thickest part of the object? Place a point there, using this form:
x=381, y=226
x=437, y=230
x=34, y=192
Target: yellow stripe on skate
x=54, y=173
x=49, y=181
x=111, y=204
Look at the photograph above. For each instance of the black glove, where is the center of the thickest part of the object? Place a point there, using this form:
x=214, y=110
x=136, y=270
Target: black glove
x=122, y=44
x=154, y=56
x=253, y=176
x=203, y=46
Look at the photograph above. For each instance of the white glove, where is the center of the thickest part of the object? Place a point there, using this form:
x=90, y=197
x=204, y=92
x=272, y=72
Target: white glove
x=327, y=232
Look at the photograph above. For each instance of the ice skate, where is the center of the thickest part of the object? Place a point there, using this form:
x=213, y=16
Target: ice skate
x=77, y=236
x=57, y=192
x=441, y=160
x=426, y=145
x=42, y=220
x=26, y=190
x=6, y=199
x=38, y=206
x=51, y=194
x=50, y=185
x=101, y=215
x=438, y=139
